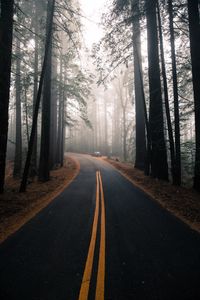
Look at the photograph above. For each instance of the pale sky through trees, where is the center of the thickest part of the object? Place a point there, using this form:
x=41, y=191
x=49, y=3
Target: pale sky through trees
x=92, y=10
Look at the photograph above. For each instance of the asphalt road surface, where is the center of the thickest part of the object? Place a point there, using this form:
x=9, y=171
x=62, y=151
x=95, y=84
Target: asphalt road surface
x=101, y=238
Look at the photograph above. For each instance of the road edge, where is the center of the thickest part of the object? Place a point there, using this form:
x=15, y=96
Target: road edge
x=156, y=200
x=18, y=222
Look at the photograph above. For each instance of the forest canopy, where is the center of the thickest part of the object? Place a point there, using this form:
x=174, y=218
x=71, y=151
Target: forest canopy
x=135, y=96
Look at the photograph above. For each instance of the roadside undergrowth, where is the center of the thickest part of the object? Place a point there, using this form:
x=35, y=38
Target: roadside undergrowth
x=180, y=201
x=18, y=208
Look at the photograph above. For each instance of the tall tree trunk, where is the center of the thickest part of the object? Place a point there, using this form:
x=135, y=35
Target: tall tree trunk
x=44, y=165
x=194, y=31
x=113, y=149
x=54, y=117
x=139, y=92
x=63, y=116
x=124, y=133
x=177, y=175
x=6, y=34
x=63, y=129
x=166, y=98
x=60, y=115
x=18, y=127
x=95, y=126
x=26, y=112
x=106, y=125
x=159, y=166
x=37, y=104
x=33, y=169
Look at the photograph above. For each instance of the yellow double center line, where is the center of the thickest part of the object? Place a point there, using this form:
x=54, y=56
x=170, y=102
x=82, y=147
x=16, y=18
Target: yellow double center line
x=85, y=285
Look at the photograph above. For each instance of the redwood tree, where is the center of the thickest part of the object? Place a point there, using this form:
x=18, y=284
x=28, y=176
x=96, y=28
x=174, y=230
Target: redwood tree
x=159, y=165
x=194, y=30
x=37, y=102
x=139, y=91
x=166, y=99
x=18, y=132
x=44, y=164
x=177, y=169
x=6, y=35
x=33, y=170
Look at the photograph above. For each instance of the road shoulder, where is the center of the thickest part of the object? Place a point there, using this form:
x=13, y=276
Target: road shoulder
x=16, y=208
x=182, y=202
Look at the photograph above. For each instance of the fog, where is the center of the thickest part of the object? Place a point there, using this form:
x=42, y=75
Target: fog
x=91, y=75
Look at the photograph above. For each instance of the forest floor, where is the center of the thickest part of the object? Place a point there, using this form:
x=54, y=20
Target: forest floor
x=23, y=206
x=180, y=201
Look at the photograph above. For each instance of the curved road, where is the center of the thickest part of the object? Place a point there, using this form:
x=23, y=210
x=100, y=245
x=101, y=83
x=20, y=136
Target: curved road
x=101, y=238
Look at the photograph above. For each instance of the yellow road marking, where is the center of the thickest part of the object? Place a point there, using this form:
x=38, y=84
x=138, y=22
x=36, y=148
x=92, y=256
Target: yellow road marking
x=100, y=287
x=83, y=295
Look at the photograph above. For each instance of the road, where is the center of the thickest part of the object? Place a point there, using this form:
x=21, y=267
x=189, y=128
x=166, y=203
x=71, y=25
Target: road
x=102, y=238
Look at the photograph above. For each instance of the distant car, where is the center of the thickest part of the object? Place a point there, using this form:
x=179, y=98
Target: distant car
x=97, y=154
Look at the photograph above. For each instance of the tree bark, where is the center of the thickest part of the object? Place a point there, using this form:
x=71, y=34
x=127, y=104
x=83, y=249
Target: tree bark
x=106, y=129
x=6, y=35
x=59, y=146
x=18, y=127
x=26, y=112
x=177, y=170
x=166, y=98
x=33, y=168
x=44, y=164
x=139, y=94
x=159, y=165
x=54, y=117
x=124, y=133
x=34, y=124
x=194, y=31
x=63, y=130
x=63, y=116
